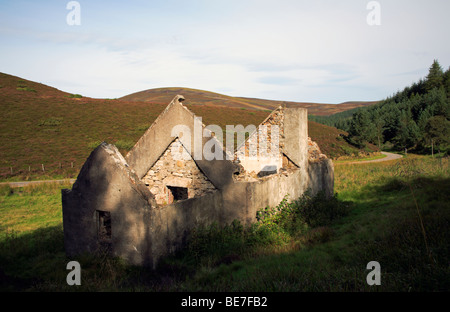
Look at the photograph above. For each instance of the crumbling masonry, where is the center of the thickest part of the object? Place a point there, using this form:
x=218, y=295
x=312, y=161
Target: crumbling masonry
x=143, y=206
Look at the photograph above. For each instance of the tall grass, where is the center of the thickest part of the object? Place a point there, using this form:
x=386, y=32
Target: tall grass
x=352, y=178
x=399, y=217
x=282, y=228
x=403, y=208
x=396, y=213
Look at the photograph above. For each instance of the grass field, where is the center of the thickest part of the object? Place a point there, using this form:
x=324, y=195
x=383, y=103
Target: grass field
x=396, y=213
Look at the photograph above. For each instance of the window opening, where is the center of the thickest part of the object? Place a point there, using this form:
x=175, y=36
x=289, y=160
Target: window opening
x=179, y=193
x=104, y=226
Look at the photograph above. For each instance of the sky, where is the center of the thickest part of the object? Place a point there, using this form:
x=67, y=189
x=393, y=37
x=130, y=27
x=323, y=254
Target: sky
x=323, y=51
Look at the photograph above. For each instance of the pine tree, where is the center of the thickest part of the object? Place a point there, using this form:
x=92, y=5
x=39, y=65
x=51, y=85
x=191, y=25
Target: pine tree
x=423, y=119
x=378, y=124
x=438, y=102
x=435, y=76
x=408, y=133
x=362, y=129
x=391, y=118
x=437, y=131
x=446, y=82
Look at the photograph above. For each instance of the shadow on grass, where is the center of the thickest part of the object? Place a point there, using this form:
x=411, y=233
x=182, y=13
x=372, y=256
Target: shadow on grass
x=28, y=259
x=326, y=259
x=37, y=261
x=414, y=248
x=387, y=228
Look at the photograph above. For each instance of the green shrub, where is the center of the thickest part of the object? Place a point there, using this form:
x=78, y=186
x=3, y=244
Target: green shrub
x=25, y=88
x=282, y=218
x=75, y=96
x=52, y=121
x=320, y=211
x=308, y=210
x=275, y=226
x=124, y=144
x=94, y=144
x=6, y=190
x=143, y=127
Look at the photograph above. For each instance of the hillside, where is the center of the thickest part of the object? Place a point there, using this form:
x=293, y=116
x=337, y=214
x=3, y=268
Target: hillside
x=199, y=97
x=332, y=142
x=43, y=126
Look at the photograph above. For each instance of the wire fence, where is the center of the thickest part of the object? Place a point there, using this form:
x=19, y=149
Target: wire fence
x=55, y=169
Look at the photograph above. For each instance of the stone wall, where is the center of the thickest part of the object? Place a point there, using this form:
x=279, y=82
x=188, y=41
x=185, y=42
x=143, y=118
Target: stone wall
x=176, y=171
x=314, y=153
x=262, y=153
x=159, y=136
x=106, y=185
x=274, y=119
x=320, y=170
x=130, y=203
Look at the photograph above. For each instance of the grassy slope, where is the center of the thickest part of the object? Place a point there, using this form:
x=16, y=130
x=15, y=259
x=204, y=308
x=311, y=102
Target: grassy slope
x=42, y=125
x=383, y=224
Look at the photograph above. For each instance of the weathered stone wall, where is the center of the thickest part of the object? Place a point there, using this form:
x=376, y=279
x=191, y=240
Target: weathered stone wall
x=320, y=171
x=296, y=136
x=321, y=177
x=262, y=152
x=155, y=140
x=242, y=200
x=314, y=153
x=276, y=118
x=180, y=172
x=146, y=224
x=170, y=225
x=256, y=165
x=107, y=184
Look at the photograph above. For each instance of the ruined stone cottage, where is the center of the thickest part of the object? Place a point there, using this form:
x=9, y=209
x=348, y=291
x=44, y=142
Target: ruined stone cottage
x=141, y=207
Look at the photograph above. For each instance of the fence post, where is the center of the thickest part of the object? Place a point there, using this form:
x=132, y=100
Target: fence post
x=43, y=169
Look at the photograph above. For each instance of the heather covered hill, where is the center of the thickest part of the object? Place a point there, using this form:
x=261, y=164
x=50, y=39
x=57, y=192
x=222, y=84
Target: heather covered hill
x=48, y=133
x=15, y=87
x=199, y=97
x=332, y=141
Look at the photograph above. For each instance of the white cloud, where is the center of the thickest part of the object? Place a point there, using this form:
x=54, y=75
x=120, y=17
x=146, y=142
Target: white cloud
x=320, y=51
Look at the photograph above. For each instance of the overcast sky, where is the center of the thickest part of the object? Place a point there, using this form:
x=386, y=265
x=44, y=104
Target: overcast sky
x=315, y=51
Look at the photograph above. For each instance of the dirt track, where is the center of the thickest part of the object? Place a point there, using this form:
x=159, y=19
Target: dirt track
x=25, y=183
x=389, y=156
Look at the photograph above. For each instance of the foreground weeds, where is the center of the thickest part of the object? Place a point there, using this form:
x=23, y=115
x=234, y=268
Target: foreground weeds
x=287, y=227
x=395, y=213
